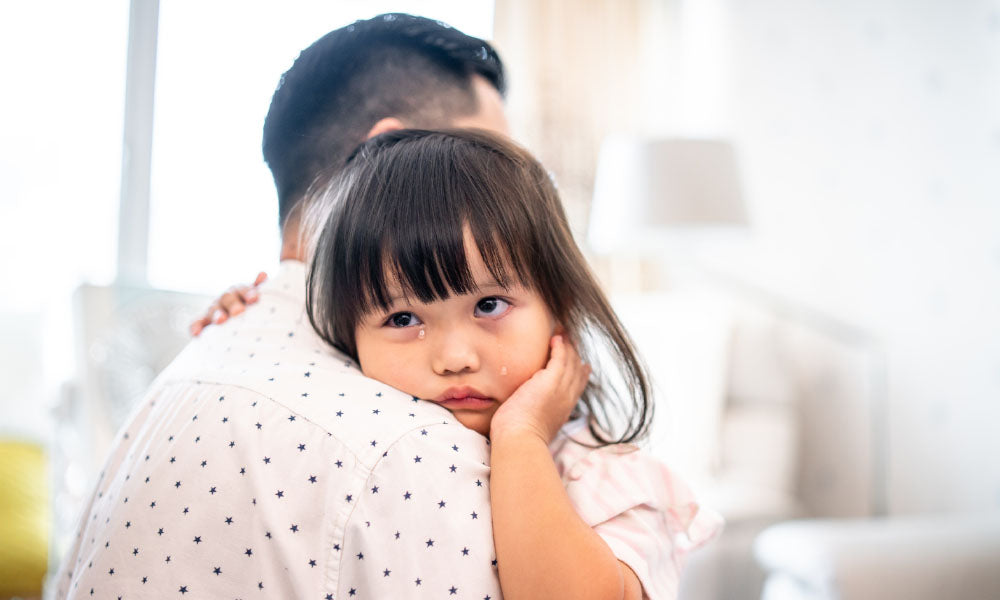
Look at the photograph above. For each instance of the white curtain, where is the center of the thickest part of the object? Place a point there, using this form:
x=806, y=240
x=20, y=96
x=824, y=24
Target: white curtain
x=574, y=69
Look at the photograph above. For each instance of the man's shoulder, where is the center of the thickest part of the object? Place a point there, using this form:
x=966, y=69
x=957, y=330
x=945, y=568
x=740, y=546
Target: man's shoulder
x=271, y=355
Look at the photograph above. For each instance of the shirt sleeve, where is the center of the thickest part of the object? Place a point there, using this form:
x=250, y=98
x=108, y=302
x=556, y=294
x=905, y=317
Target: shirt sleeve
x=644, y=512
x=422, y=526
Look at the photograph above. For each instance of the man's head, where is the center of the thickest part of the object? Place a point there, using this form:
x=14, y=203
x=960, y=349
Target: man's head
x=388, y=72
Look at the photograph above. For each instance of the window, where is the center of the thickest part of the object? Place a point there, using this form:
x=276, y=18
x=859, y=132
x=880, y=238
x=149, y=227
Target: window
x=213, y=210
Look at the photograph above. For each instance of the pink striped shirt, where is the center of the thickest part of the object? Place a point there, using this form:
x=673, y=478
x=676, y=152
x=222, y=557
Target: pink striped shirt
x=646, y=513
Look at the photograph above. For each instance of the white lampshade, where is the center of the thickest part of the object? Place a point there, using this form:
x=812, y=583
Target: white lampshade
x=647, y=186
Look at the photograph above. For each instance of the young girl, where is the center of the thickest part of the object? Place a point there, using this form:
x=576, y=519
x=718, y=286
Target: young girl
x=443, y=264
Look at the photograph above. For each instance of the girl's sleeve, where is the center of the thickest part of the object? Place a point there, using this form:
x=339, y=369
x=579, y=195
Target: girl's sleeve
x=646, y=514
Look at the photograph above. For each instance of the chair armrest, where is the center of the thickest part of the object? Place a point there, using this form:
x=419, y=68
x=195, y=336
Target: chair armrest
x=912, y=557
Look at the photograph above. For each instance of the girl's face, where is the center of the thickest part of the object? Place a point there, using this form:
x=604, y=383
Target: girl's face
x=467, y=353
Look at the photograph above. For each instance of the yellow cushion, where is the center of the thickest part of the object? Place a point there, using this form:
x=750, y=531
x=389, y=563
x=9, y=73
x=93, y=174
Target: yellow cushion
x=24, y=518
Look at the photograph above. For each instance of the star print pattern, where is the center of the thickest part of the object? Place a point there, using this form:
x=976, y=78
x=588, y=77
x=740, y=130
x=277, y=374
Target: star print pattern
x=229, y=479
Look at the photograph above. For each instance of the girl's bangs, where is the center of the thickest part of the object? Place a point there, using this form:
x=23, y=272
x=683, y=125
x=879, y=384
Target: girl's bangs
x=416, y=247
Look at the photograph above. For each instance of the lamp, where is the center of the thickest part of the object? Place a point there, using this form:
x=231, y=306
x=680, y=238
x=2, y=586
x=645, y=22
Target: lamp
x=644, y=186
x=651, y=192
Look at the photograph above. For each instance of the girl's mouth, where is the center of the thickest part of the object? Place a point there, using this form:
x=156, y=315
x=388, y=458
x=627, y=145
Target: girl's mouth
x=458, y=398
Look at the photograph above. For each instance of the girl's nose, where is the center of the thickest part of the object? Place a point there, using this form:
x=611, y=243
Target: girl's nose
x=454, y=353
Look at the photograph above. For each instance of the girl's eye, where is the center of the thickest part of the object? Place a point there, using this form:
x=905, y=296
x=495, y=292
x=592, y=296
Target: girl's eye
x=491, y=307
x=402, y=319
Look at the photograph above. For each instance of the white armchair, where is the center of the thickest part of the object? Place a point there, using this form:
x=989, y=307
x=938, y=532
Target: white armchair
x=791, y=407
x=918, y=558
x=767, y=409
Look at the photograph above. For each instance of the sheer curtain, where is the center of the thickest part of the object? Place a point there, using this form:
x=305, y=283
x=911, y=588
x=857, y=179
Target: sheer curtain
x=575, y=75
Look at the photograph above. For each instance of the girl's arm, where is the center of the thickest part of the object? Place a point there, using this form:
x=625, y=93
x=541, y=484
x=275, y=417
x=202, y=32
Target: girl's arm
x=544, y=549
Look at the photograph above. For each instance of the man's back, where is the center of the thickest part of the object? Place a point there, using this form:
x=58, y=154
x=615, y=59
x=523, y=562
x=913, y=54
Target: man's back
x=262, y=463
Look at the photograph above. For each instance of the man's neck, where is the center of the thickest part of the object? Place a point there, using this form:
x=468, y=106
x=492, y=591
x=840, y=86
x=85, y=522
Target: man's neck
x=290, y=249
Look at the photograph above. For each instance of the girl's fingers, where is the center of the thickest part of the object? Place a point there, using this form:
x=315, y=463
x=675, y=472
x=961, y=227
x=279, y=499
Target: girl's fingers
x=578, y=373
x=557, y=352
x=555, y=365
x=204, y=321
x=571, y=363
x=232, y=302
x=197, y=325
x=570, y=372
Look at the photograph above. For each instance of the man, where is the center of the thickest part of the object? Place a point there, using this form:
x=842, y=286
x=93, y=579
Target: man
x=262, y=463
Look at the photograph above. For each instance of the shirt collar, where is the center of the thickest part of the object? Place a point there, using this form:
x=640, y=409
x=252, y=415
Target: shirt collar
x=290, y=280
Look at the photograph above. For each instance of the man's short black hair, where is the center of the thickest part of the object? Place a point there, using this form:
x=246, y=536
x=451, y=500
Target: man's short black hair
x=392, y=65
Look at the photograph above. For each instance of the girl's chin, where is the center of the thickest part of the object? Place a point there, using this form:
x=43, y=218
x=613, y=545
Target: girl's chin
x=477, y=423
x=471, y=414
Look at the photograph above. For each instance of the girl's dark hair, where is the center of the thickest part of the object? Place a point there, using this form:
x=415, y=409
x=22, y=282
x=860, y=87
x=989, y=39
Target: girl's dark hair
x=398, y=212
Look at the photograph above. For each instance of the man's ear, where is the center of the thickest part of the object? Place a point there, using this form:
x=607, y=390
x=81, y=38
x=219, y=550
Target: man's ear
x=384, y=125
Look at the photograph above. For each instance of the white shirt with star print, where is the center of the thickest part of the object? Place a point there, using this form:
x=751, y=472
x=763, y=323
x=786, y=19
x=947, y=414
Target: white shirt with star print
x=262, y=464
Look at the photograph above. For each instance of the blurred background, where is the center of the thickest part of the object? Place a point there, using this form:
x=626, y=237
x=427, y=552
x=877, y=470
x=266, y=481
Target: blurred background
x=795, y=204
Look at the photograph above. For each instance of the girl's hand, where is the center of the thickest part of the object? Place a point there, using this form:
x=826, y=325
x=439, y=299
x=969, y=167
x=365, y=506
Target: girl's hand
x=543, y=403
x=231, y=303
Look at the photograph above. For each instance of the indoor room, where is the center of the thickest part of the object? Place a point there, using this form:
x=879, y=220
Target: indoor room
x=792, y=207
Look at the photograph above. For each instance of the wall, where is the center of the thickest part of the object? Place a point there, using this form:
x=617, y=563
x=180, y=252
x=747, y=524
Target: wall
x=869, y=137
x=60, y=161
x=869, y=134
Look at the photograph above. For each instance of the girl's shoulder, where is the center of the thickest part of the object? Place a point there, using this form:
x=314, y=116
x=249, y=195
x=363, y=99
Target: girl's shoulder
x=576, y=450
x=604, y=482
x=575, y=443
